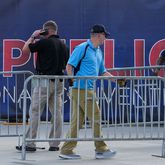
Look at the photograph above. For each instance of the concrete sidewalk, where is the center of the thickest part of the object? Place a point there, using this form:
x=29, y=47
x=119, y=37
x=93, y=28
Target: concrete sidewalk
x=128, y=153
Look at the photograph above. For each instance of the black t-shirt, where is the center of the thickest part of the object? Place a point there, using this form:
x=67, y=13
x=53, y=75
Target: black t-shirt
x=52, y=55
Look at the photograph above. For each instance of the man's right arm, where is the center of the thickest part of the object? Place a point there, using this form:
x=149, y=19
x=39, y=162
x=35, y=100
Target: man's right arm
x=25, y=48
x=69, y=69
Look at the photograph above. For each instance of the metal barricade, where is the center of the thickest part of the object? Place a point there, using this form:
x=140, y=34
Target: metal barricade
x=132, y=112
x=11, y=102
x=138, y=71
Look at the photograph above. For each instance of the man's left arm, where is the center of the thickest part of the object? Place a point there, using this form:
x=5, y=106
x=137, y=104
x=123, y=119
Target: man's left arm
x=121, y=82
x=109, y=74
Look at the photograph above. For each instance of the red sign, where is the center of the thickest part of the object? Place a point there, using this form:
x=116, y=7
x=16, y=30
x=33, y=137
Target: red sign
x=9, y=45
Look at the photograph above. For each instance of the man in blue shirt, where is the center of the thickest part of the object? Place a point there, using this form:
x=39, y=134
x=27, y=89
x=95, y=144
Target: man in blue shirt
x=160, y=61
x=92, y=64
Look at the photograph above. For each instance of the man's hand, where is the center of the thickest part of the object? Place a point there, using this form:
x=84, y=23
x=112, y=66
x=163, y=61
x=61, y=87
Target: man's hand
x=70, y=81
x=155, y=71
x=36, y=34
x=122, y=82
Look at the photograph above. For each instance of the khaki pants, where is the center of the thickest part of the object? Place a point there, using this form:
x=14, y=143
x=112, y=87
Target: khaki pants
x=39, y=100
x=68, y=147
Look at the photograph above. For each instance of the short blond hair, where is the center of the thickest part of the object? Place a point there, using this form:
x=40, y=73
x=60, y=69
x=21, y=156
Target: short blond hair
x=50, y=24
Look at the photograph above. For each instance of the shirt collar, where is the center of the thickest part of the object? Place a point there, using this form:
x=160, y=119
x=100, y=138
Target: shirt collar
x=54, y=35
x=91, y=44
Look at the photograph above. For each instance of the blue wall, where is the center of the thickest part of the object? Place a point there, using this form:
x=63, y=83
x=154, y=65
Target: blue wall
x=125, y=19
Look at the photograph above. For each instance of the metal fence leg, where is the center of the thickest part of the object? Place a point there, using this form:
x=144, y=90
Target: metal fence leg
x=163, y=144
x=163, y=148
x=23, y=152
x=19, y=141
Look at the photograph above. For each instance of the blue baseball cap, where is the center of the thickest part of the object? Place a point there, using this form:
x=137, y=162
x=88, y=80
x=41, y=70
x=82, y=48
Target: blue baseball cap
x=99, y=28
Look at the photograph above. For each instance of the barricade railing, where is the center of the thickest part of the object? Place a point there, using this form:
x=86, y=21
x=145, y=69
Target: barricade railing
x=11, y=102
x=132, y=112
x=138, y=71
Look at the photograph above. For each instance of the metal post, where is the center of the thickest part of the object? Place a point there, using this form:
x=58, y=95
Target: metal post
x=163, y=144
x=163, y=148
x=24, y=119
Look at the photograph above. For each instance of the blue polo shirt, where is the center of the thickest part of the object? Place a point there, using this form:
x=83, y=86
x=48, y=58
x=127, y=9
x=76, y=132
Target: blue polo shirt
x=91, y=65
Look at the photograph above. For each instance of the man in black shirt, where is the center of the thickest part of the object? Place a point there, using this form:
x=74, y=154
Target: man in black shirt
x=52, y=56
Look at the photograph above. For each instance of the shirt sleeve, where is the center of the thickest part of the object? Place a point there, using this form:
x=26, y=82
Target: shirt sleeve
x=35, y=47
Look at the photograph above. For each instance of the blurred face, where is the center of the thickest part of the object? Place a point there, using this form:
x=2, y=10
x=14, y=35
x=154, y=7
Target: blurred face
x=101, y=37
